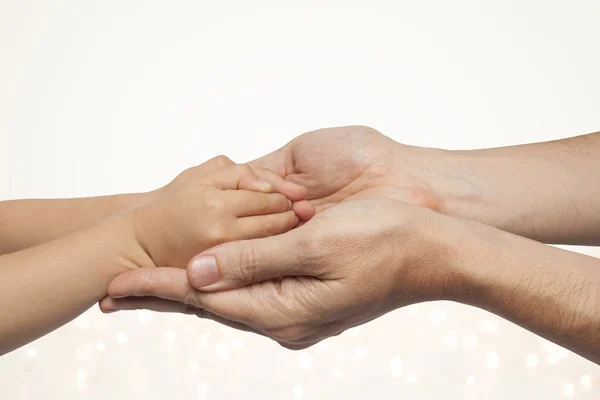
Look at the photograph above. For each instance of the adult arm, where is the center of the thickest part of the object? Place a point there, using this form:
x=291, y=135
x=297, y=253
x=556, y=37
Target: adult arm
x=549, y=291
x=549, y=191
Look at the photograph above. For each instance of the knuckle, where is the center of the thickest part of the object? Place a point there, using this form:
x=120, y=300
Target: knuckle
x=148, y=285
x=215, y=205
x=363, y=129
x=244, y=170
x=217, y=234
x=245, y=268
x=273, y=228
x=188, y=300
x=280, y=224
x=280, y=202
x=222, y=161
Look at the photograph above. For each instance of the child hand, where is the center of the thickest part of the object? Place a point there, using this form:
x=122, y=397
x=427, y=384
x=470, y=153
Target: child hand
x=231, y=203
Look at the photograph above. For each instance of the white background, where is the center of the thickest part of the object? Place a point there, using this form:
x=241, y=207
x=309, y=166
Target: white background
x=120, y=96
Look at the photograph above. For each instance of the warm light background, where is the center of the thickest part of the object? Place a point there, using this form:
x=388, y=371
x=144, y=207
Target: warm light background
x=100, y=97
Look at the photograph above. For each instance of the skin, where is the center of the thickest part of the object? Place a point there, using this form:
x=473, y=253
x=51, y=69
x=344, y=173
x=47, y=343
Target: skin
x=203, y=207
x=30, y=222
x=368, y=251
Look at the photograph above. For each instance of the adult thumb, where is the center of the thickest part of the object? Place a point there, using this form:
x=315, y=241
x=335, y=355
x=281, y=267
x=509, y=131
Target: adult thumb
x=241, y=263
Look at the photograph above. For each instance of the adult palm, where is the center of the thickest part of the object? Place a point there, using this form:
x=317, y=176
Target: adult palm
x=344, y=163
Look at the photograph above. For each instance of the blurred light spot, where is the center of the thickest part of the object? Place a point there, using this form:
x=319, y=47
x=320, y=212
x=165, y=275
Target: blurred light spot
x=489, y=326
x=145, y=316
x=553, y=359
x=298, y=392
x=122, y=338
x=412, y=378
x=531, y=360
x=201, y=390
x=562, y=353
x=470, y=380
x=171, y=335
x=81, y=374
x=492, y=359
x=31, y=353
x=305, y=360
x=396, y=366
x=337, y=373
x=569, y=389
x=585, y=381
x=222, y=351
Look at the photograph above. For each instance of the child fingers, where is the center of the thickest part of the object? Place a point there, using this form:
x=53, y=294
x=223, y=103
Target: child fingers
x=290, y=190
x=266, y=225
x=245, y=203
x=237, y=177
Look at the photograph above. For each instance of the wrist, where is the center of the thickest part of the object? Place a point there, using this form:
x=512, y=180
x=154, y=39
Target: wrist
x=455, y=183
x=477, y=258
x=124, y=241
x=431, y=262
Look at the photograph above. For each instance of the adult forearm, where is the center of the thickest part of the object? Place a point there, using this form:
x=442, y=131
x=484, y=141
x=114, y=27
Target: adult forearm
x=44, y=287
x=27, y=223
x=549, y=291
x=545, y=191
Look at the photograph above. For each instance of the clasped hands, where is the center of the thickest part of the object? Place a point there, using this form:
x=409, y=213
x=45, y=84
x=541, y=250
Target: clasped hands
x=328, y=232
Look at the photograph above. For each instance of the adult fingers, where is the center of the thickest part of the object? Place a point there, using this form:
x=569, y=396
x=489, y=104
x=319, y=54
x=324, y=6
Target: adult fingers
x=241, y=263
x=108, y=305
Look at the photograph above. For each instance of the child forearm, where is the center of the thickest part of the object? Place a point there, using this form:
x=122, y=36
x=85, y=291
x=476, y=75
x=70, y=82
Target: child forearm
x=44, y=287
x=27, y=223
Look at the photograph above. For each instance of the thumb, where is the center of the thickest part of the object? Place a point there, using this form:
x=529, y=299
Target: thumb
x=241, y=263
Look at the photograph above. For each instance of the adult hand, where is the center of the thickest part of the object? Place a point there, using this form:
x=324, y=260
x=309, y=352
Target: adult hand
x=350, y=264
x=511, y=188
x=345, y=163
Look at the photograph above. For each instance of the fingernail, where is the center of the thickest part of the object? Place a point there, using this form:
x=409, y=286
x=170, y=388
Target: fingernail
x=109, y=311
x=204, y=271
